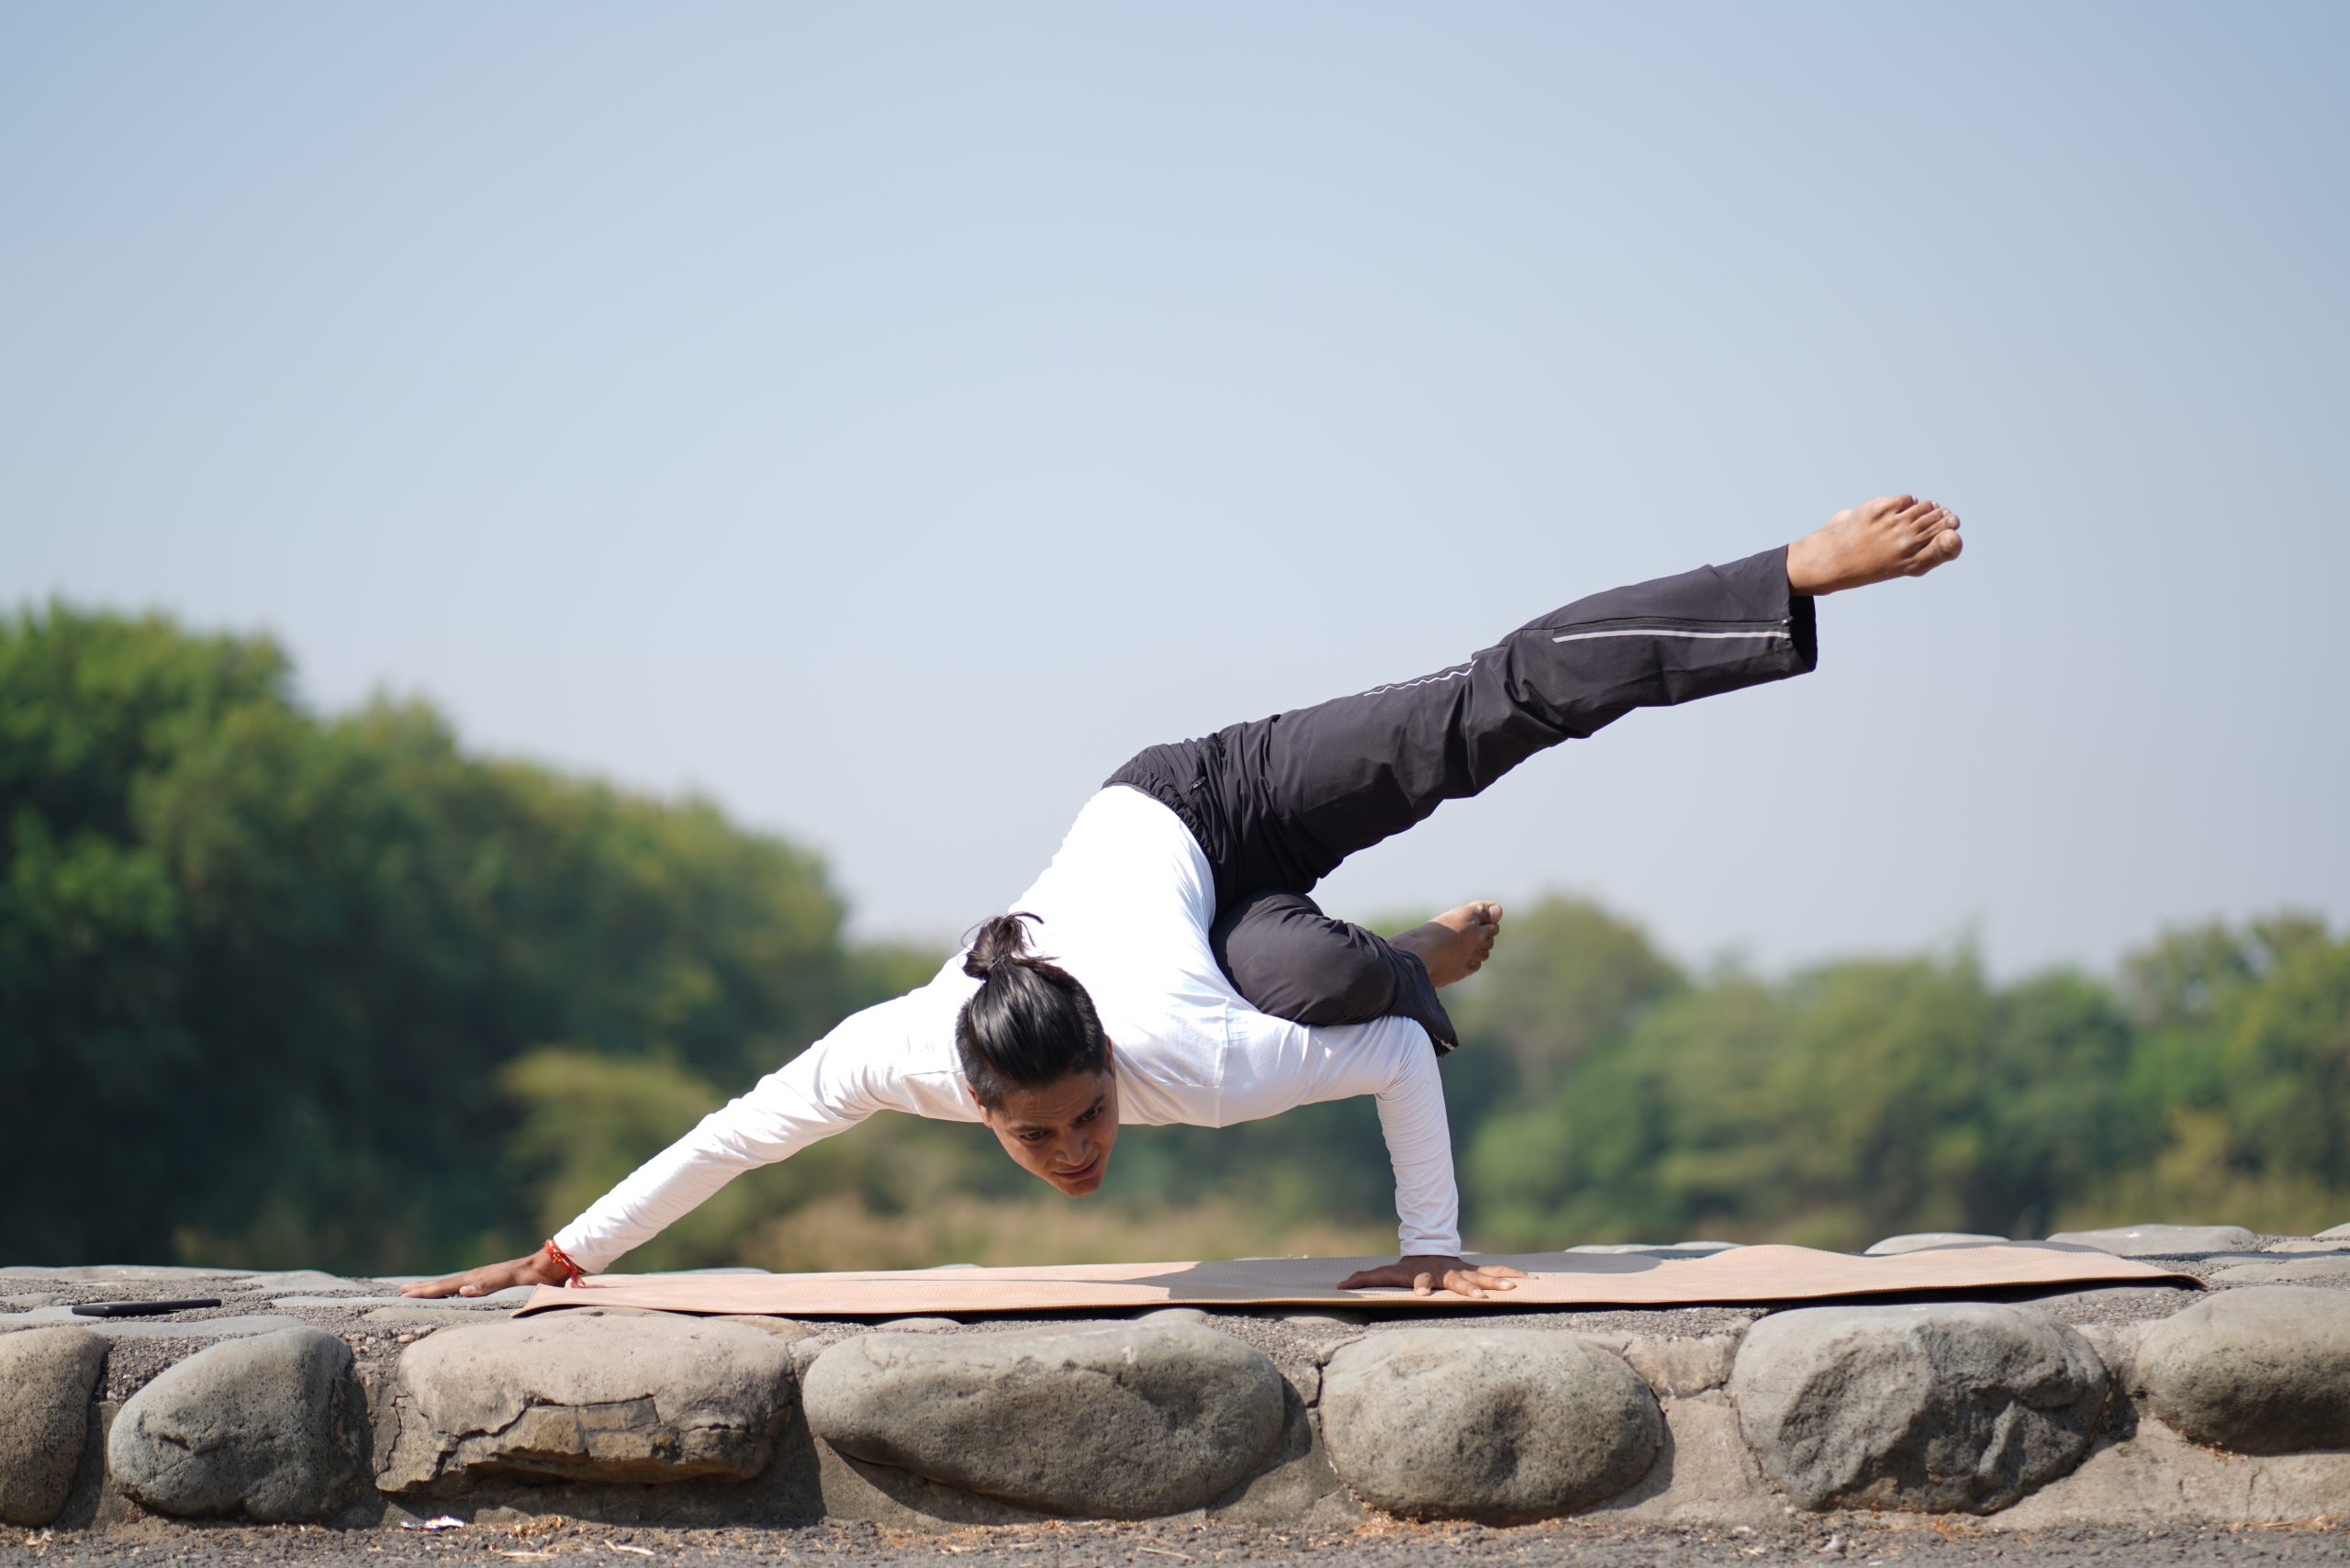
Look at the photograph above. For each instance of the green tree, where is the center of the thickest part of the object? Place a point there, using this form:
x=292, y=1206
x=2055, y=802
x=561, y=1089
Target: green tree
x=259, y=970
x=2241, y=1070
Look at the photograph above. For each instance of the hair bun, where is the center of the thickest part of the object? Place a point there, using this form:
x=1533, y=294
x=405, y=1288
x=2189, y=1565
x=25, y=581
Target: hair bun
x=1001, y=940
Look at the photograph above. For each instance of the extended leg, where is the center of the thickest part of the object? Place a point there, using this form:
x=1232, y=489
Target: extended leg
x=1292, y=961
x=1279, y=802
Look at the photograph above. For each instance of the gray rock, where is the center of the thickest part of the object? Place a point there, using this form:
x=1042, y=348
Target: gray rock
x=787, y=1328
x=2286, y=1271
x=1606, y=1248
x=297, y=1303
x=581, y=1398
x=2337, y=1248
x=410, y=1316
x=236, y=1328
x=2116, y=1345
x=2161, y=1240
x=2074, y=1303
x=2262, y=1370
x=46, y=1378
x=1940, y=1407
x=1174, y=1315
x=512, y=1295
x=2154, y=1481
x=1492, y=1424
x=1116, y=1420
x=101, y=1274
x=2339, y=1233
x=305, y=1282
x=917, y=1324
x=1676, y=1369
x=274, y=1427
x=1918, y=1241
x=1659, y=1249
x=497, y=1301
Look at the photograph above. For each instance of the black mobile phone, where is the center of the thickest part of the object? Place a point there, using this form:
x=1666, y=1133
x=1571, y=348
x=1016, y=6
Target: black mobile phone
x=140, y=1308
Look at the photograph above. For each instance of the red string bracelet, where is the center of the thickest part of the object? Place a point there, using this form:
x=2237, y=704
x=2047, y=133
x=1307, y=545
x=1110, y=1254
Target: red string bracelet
x=564, y=1259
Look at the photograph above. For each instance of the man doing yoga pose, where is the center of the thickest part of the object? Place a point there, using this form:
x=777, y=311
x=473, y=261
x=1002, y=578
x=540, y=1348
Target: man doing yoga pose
x=1193, y=980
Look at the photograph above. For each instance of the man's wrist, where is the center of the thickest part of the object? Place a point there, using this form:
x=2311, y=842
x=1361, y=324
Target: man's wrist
x=553, y=1266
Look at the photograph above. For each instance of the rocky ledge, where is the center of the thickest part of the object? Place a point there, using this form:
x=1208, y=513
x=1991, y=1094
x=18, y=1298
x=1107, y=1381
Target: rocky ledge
x=309, y=1397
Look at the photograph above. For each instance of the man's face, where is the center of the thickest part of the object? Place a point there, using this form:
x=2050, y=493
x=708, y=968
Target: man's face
x=1062, y=1130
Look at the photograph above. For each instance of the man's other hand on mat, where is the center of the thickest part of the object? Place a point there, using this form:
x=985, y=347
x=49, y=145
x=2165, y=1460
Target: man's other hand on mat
x=537, y=1268
x=1426, y=1276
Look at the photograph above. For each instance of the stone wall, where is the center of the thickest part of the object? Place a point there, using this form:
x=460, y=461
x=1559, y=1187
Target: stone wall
x=305, y=1397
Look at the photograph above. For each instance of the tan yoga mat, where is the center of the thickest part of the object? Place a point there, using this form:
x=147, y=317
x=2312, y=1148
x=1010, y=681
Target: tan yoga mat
x=1772, y=1273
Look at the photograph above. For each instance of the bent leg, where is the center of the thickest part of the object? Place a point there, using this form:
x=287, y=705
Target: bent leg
x=1277, y=803
x=1291, y=961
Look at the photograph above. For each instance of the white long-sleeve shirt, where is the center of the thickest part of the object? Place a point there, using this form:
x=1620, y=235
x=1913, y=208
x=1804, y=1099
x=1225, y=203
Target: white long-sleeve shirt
x=1125, y=908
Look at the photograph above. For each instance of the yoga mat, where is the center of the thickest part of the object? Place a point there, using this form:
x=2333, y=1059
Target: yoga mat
x=1772, y=1273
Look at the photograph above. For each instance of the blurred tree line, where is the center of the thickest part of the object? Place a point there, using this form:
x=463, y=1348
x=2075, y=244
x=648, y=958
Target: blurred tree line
x=282, y=989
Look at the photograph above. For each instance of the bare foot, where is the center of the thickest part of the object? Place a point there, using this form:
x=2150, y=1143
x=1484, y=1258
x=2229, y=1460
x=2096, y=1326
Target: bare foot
x=1456, y=944
x=1892, y=536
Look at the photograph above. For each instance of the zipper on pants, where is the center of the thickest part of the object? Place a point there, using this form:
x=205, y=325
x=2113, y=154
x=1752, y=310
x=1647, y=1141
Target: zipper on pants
x=1676, y=626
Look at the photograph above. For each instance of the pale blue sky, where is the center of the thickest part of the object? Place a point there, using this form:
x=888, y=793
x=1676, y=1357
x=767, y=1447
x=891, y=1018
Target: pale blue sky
x=887, y=418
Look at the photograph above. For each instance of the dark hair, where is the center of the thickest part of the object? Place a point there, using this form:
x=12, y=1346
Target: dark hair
x=1029, y=1024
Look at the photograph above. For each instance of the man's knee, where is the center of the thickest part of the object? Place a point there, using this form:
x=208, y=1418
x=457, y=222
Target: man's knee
x=1289, y=959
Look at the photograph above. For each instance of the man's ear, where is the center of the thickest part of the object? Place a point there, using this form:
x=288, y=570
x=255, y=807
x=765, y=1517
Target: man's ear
x=984, y=1115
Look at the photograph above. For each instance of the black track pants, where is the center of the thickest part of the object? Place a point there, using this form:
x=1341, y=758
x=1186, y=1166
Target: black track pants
x=1277, y=803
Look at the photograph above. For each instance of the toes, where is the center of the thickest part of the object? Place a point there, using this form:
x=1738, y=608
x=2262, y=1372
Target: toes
x=1941, y=549
x=1885, y=506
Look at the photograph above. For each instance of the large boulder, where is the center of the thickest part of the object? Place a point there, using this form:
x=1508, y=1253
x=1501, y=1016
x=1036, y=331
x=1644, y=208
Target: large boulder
x=2161, y=1240
x=1118, y=1420
x=587, y=1398
x=46, y=1379
x=1938, y=1407
x=2261, y=1369
x=273, y=1426
x=1493, y=1424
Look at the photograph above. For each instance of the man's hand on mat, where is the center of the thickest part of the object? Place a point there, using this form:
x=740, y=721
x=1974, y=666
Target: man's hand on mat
x=537, y=1268
x=1426, y=1276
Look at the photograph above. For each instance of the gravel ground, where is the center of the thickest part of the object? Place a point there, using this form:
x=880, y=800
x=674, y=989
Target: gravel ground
x=1841, y=1538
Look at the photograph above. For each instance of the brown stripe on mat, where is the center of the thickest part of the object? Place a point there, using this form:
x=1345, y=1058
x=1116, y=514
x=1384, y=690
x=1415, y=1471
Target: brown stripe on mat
x=1771, y=1273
